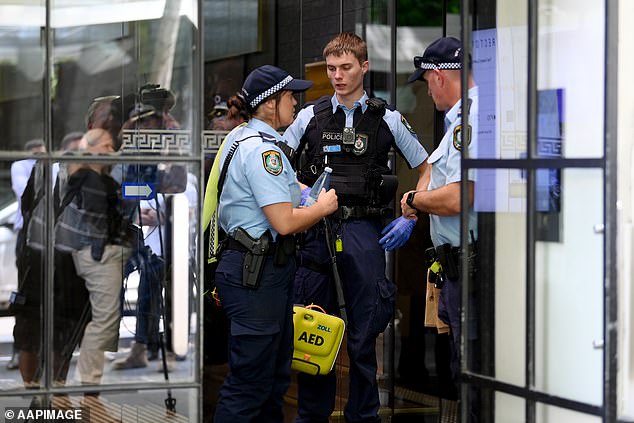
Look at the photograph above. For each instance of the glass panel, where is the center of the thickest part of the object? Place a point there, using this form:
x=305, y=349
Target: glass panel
x=499, y=288
x=500, y=71
x=141, y=53
x=95, y=256
x=509, y=409
x=22, y=67
x=24, y=272
x=569, y=38
x=569, y=296
x=138, y=406
x=550, y=414
x=9, y=212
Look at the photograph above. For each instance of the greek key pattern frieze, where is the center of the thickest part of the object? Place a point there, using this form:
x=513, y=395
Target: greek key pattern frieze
x=211, y=141
x=157, y=141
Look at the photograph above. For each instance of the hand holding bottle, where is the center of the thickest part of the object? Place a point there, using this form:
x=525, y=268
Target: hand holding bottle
x=328, y=201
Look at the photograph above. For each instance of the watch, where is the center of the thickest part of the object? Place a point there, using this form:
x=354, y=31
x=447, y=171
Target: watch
x=410, y=200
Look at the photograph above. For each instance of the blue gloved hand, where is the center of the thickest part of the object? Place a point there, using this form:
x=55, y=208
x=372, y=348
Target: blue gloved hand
x=305, y=192
x=397, y=233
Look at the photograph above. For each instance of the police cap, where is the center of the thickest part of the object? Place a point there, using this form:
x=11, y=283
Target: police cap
x=444, y=53
x=266, y=81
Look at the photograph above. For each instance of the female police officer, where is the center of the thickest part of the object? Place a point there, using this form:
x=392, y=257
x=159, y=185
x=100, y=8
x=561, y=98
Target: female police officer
x=258, y=209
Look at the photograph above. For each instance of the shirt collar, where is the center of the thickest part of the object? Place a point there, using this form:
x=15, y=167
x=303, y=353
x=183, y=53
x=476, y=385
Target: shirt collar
x=262, y=126
x=360, y=102
x=455, y=111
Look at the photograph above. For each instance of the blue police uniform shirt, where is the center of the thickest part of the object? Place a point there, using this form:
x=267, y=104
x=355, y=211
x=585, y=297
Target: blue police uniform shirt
x=259, y=175
x=406, y=140
x=445, y=162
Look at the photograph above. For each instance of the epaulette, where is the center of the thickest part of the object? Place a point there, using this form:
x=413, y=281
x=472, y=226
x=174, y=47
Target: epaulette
x=267, y=137
x=469, y=102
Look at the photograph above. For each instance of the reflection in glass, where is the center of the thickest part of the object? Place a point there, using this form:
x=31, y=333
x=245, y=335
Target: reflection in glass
x=137, y=406
x=25, y=299
x=567, y=39
x=22, y=69
x=143, y=261
x=499, y=66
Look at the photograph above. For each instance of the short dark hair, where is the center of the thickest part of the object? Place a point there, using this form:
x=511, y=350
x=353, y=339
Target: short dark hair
x=70, y=138
x=31, y=144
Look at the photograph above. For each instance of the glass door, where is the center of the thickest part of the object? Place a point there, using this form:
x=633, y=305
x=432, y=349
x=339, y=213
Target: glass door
x=541, y=187
x=106, y=286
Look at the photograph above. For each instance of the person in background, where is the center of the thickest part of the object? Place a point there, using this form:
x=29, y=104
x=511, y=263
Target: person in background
x=28, y=313
x=152, y=111
x=20, y=173
x=92, y=228
x=25, y=346
x=228, y=117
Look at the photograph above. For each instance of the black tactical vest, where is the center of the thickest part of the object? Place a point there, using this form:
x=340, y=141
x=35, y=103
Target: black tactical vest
x=358, y=158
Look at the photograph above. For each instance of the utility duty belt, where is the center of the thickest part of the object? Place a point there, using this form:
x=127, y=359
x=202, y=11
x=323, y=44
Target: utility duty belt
x=360, y=212
x=445, y=261
x=256, y=251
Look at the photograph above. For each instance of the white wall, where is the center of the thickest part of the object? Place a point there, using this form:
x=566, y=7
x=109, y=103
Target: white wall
x=625, y=243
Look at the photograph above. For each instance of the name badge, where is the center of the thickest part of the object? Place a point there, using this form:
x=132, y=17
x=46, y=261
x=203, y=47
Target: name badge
x=332, y=148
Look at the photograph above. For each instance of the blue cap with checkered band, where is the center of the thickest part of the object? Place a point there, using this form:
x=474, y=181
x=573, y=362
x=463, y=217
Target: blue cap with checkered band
x=265, y=81
x=444, y=53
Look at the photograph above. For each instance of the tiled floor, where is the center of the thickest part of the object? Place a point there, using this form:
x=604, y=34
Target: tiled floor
x=409, y=405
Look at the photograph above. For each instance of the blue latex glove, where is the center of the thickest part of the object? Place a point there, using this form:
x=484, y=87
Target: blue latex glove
x=397, y=233
x=305, y=192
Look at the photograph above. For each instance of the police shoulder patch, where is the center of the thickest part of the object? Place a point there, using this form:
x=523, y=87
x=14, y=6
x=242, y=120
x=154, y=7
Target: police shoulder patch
x=458, y=136
x=272, y=162
x=407, y=125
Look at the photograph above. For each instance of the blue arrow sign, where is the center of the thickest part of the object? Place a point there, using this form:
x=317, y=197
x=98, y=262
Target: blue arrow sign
x=140, y=191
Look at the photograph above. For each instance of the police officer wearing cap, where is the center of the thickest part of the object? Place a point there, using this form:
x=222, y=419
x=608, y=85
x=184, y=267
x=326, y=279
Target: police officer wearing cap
x=440, y=67
x=352, y=134
x=258, y=210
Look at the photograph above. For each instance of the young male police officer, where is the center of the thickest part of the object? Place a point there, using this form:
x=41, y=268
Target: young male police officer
x=440, y=67
x=353, y=135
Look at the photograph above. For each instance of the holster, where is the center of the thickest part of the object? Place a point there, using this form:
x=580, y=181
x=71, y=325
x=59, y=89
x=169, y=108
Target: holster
x=447, y=260
x=254, y=257
x=449, y=265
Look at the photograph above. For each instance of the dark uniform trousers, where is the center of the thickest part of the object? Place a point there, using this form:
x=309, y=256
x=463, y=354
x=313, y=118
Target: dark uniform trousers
x=449, y=311
x=260, y=341
x=369, y=299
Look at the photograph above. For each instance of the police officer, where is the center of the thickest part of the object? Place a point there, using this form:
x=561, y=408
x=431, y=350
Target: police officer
x=258, y=209
x=440, y=67
x=352, y=134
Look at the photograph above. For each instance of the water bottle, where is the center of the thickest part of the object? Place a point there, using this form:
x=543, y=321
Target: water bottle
x=323, y=182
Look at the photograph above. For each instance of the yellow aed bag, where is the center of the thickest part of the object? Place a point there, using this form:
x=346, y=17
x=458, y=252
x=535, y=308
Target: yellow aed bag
x=317, y=340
